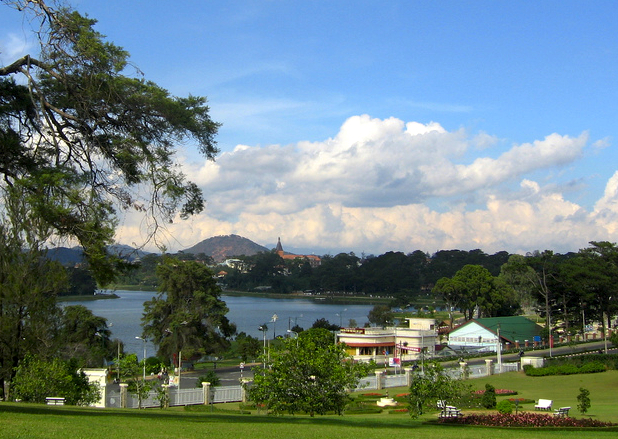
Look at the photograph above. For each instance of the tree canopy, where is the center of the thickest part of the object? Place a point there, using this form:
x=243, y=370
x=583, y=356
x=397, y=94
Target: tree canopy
x=188, y=314
x=306, y=374
x=82, y=136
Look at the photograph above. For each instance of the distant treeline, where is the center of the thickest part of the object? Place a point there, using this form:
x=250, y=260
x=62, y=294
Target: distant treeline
x=392, y=274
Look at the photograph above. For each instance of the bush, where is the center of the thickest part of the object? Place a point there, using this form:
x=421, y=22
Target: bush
x=37, y=379
x=505, y=407
x=489, y=397
x=565, y=369
x=210, y=377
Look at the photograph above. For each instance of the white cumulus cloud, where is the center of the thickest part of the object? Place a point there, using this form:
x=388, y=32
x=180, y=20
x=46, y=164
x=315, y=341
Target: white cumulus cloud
x=376, y=186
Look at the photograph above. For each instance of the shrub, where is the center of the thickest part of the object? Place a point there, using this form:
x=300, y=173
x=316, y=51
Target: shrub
x=504, y=407
x=489, y=397
x=565, y=369
x=583, y=400
x=210, y=377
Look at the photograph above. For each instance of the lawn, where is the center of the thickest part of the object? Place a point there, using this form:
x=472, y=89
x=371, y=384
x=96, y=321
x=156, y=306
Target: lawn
x=40, y=421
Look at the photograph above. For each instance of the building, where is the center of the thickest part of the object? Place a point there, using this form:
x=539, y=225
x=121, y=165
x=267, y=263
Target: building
x=482, y=335
x=415, y=342
x=313, y=260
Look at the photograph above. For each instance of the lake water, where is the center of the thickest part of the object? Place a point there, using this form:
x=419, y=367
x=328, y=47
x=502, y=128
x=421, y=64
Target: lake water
x=248, y=313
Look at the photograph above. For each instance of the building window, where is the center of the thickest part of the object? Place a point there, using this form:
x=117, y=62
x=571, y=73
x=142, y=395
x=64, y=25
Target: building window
x=365, y=351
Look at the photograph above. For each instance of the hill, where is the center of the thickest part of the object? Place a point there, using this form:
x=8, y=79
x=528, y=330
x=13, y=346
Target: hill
x=226, y=246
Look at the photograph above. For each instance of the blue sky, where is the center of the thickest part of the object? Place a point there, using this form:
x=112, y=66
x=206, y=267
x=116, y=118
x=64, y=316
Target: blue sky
x=397, y=125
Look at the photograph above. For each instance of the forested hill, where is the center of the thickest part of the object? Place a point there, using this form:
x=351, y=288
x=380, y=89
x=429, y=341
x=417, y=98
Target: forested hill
x=221, y=248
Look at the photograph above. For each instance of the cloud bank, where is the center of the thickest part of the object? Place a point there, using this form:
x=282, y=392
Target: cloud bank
x=381, y=185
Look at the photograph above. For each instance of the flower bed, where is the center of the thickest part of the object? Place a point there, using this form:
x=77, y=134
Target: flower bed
x=498, y=392
x=521, y=400
x=526, y=420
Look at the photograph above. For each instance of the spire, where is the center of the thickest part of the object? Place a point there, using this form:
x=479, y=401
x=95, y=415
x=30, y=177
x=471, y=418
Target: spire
x=279, y=248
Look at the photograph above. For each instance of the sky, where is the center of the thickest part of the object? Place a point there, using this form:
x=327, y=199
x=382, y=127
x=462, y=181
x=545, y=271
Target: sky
x=370, y=127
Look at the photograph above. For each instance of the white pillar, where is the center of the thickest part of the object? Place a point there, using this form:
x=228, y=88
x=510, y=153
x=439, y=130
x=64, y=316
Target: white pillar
x=123, y=395
x=206, y=390
x=489, y=365
x=379, y=374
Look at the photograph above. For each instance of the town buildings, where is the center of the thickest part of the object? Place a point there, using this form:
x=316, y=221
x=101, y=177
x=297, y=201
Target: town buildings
x=392, y=344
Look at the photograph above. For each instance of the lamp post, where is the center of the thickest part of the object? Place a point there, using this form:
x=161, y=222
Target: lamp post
x=144, y=359
x=274, y=320
x=340, y=314
x=264, y=328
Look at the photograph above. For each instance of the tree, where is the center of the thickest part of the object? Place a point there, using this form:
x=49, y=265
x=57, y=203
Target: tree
x=80, y=136
x=380, y=315
x=308, y=374
x=583, y=400
x=37, y=379
x=478, y=285
x=451, y=292
x=132, y=372
x=324, y=324
x=188, y=315
x=433, y=385
x=29, y=315
x=248, y=347
x=85, y=337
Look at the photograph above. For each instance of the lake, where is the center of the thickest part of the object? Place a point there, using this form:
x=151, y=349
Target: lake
x=247, y=312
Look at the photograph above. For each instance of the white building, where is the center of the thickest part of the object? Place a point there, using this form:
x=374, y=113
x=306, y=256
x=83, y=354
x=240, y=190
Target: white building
x=382, y=344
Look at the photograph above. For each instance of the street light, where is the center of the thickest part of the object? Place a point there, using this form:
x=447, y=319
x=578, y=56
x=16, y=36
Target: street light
x=264, y=328
x=340, y=314
x=144, y=340
x=274, y=320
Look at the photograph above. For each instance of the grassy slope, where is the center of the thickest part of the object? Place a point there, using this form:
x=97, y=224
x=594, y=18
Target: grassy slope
x=38, y=421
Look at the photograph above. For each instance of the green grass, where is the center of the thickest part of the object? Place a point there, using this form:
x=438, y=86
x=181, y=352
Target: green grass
x=39, y=421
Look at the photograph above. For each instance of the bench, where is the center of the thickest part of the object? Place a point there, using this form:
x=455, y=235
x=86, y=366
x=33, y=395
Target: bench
x=54, y=400
x=543, y=404
x=562, y=412
x=448, y=411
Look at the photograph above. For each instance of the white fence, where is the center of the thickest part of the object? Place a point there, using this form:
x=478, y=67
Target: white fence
x=224, y=394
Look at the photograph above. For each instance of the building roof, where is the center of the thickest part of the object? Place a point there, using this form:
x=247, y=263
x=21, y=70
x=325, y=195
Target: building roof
x=512, y=328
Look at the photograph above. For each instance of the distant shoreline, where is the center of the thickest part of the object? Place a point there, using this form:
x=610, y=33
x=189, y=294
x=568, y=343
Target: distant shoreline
x=87, y=298
x=323, y=298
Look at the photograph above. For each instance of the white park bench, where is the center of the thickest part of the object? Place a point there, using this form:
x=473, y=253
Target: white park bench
x=562, y=412
x=448, y=411
x=543, y=404
x=54, y=400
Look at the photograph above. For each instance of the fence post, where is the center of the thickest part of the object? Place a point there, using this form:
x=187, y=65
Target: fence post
x=166, y=401
x=123, y=395
x=465, y=372
x=409, y=371
x=244, y=382
x=489, y=365
x=379, y=379
x=206, y=389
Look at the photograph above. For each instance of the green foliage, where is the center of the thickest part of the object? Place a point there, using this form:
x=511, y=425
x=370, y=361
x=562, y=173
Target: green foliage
x=247, y=347
x=85, y=337
x=434, y=385
x=107, y=136
x=565, y=369
x=188, y=315
x=209, y=377
x=132, y=372
x=37, y=379
x=308, y=374
x=380, y=315
x=583, y=400
x=488, y=399
x=504, y=407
